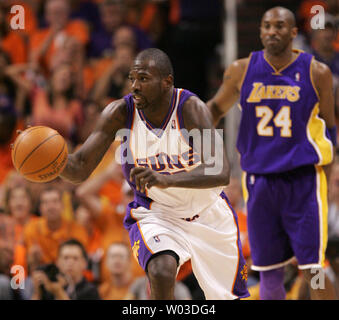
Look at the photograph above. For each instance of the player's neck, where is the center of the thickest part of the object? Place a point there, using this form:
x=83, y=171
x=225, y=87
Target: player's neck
x=156, y=112
x=280, y=60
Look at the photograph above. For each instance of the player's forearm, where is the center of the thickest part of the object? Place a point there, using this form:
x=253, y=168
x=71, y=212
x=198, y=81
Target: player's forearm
x=75, y=170
x=216, y=114
x=202, y=177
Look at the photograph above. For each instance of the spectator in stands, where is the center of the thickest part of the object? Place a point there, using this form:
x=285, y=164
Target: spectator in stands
x=43, y=235
x=107, y=217
x=95, y=251
x=6, y=290
x=322, y=41
x=112, y=15
x=57, y=106
x=113, y=83
x=18, y=205
x=12, y=86
x=72, y=53
x=91, y=115
x=118, y=262
x=70, y=283
x=45, y=42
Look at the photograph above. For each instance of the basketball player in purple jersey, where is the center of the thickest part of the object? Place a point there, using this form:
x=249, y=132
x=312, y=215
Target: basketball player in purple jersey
x=179, y=212
x=286, y=137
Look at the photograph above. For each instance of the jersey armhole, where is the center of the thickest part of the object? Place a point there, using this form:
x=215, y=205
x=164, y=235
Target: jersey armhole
x=311, y=79
x=130, y=111
x=181, y=102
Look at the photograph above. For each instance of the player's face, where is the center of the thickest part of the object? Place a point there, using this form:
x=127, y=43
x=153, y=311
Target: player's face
x=276, y=32
x=146, y=84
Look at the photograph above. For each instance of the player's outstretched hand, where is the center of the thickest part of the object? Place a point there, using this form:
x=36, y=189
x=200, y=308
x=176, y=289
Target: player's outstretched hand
x=145, y=177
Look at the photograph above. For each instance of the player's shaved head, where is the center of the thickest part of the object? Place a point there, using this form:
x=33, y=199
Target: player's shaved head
x=281, y=13
x=158, y=59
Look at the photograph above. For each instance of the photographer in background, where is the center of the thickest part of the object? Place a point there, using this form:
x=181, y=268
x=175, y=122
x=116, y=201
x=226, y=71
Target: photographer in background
x=65, y=280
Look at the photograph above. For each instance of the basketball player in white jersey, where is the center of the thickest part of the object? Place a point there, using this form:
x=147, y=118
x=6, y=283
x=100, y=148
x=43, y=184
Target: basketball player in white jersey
x=179, y=211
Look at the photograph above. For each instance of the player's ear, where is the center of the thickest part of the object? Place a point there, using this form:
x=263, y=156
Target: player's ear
x=294, y=32
x=168, y=81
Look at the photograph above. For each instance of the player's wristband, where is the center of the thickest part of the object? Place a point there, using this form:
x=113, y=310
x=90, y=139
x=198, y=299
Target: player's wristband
x=332, y=133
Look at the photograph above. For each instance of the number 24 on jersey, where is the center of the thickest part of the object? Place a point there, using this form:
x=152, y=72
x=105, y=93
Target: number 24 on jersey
x=282, y=120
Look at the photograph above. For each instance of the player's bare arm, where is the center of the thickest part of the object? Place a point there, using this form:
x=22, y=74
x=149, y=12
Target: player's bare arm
x=228, y=93
x=81, y=163
x=196, y=116
x=323, y=82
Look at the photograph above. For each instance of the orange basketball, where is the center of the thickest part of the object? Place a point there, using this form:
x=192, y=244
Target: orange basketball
x=39, y=154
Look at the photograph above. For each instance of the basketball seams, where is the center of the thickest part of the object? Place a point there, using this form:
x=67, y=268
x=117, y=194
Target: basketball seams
x=20, y=138
x=57, y=157
x=37, y=147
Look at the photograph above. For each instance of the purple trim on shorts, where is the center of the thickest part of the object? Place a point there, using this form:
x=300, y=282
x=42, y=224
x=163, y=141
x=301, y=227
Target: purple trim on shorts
x=240, y=283
x=136, y=239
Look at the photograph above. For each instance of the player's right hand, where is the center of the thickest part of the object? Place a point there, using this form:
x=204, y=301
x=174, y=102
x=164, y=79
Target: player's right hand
x=147, y=178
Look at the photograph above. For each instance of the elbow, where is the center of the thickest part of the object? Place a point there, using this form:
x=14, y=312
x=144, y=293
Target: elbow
x=74, y=171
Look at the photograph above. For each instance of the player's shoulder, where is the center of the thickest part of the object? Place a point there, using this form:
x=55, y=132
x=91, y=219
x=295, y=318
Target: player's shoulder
x=321, y=75
x=117, y=108
x=241, y=64
x=194, y=111
x=319, y=68
x=236, y=71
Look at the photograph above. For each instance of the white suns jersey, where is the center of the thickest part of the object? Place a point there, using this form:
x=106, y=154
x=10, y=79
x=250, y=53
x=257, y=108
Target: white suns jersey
x=166, y=151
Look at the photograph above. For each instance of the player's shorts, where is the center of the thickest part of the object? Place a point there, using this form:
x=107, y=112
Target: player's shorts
x=287, y=218
x=210, y=239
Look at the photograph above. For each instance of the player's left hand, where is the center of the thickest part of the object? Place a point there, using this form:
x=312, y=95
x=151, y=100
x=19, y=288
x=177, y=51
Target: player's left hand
x=145, y=177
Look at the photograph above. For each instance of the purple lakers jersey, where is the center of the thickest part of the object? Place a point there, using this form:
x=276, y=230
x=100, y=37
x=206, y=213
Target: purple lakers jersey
x=280, y=127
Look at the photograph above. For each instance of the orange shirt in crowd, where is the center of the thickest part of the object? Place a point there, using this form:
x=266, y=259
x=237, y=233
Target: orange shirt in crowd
x=6, y=164
x=37, y=233
x=11, y=236
x=111, y=226
x=62, y=119
x=20, y=254
x=75, y=28
x=14, y=45
x=108, y=291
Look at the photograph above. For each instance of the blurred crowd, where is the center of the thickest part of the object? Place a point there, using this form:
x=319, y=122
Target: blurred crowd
x=72, y=59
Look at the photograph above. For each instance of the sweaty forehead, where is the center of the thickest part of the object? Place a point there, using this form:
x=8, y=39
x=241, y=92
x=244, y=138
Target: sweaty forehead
x=145, y=65
x=277, y=15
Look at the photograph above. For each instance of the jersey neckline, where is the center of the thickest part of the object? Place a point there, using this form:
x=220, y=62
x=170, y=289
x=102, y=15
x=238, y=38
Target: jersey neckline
x=158, y=131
